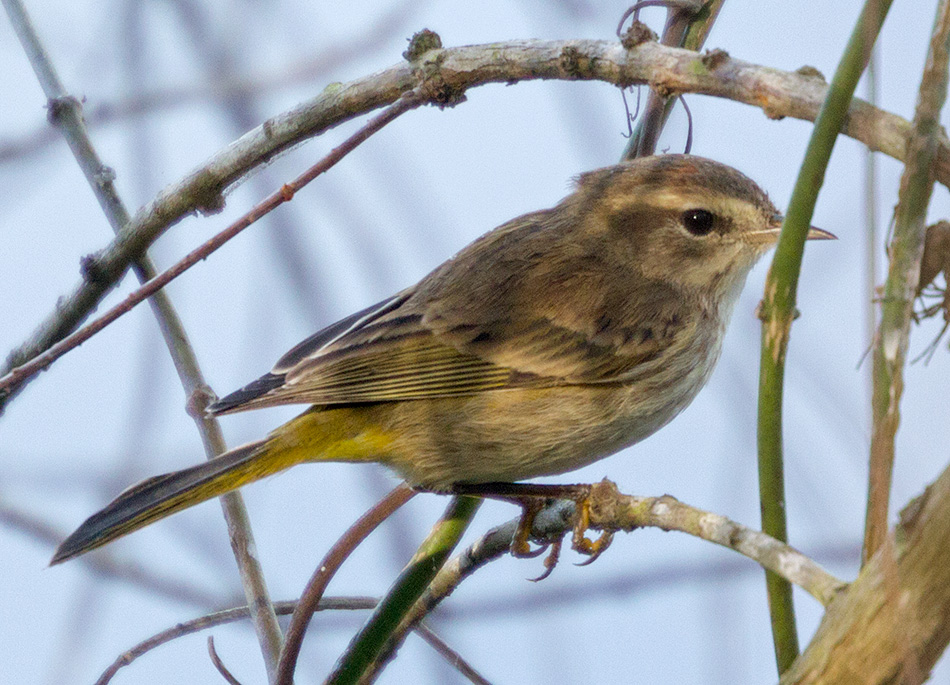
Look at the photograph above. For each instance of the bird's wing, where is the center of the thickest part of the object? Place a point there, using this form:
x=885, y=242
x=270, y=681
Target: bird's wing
x=377, y=355
x=543, y=347
x=494, y=317
x=386, y=354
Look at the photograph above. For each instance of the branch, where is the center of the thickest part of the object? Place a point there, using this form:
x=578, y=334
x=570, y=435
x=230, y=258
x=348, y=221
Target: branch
x=450, y=655
x=310, y=599
x=219, y=664
x=220, y=618
x=241, y=613
x=612, y=511
x=906, y=251
x=890, y=626
x=66, y=112
x=445, y=75
x=13, y=381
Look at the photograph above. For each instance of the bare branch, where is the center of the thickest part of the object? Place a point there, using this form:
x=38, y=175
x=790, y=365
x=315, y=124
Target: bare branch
x=905, y=253
x=219, y=665
x=220, y=618
x=14, y=380
x=443, y=76
x=612, y=511
x=66, y=111
x=450, y=655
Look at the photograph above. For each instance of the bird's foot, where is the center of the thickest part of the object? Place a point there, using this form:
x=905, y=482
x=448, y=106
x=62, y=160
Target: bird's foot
x=532, y=498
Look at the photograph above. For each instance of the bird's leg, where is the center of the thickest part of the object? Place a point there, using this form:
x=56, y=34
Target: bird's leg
x=532, y=497
x=580, y=542
x=520, y=545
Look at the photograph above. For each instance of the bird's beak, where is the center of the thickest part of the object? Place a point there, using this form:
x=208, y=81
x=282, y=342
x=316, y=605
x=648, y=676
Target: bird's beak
x=769, y=236
x=820, y=234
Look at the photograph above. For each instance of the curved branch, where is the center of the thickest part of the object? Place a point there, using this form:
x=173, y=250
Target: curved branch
x=444, y=75
x=313, y=593
x=777, y=310
x=219, y=618
x=613, y=511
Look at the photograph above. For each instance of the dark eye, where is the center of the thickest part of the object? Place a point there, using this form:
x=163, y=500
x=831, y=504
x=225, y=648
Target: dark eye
x=698, y=221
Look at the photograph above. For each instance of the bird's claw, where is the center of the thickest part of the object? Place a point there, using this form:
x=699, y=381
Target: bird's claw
x=580, y=543
x=532, y=505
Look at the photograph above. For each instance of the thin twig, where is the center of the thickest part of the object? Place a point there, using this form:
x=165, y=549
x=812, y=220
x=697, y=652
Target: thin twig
x=450, y=655
x=240, y=613
x=310, y=600
x=15, y=378
x=220, y=618
x=219, y=665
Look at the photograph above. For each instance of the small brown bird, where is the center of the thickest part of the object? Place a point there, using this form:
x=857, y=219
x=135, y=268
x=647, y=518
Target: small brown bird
x=551, y=342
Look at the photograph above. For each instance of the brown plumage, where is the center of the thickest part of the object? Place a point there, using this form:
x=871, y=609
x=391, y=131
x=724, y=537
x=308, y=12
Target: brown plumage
x=558, y=338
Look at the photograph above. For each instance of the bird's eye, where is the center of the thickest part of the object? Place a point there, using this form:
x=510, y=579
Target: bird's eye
x=698, y=221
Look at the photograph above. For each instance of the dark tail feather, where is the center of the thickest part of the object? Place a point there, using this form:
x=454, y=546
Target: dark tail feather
x=161, y=496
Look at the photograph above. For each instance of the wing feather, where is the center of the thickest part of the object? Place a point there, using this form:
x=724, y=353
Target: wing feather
x=411, y=367
x=496, y=316
x=381, y=358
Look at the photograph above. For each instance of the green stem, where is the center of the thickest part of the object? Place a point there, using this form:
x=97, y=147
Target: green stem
x=409, y=586
x=778, y=309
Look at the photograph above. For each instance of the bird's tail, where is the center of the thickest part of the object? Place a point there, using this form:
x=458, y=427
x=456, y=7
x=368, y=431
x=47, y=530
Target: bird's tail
x=164, y=495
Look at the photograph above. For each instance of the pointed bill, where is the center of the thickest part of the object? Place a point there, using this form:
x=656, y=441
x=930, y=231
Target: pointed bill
x=770, y=235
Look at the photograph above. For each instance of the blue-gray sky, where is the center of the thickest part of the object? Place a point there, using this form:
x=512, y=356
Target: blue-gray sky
x=656, y=608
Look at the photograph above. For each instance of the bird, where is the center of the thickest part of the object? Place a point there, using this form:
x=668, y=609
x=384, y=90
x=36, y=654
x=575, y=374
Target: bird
x=550, y=342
